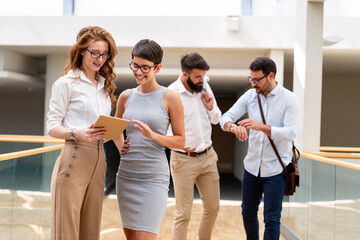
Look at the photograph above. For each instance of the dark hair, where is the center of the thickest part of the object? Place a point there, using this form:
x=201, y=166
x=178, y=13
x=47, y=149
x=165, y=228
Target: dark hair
x=149, y=50
x=85, y=37
x=193, y=60
x=265, y=64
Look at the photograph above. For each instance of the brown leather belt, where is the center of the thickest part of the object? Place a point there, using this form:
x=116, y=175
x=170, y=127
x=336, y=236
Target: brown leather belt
x=195, y=154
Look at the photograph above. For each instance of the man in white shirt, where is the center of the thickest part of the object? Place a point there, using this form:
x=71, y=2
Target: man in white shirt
x=197, y=162
x=263, y=174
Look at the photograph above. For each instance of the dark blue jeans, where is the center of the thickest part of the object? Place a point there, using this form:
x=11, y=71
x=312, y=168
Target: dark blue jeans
x=252, y=190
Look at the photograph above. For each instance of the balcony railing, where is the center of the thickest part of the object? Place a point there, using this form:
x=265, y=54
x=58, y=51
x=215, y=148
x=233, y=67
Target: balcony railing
x=326, y=206
x=26, y=164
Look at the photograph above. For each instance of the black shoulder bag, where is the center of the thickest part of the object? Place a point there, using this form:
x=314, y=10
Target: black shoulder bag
x=292, y=177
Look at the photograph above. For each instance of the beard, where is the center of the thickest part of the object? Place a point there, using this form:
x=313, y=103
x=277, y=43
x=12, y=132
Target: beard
x=195, y=87
x=264, y=89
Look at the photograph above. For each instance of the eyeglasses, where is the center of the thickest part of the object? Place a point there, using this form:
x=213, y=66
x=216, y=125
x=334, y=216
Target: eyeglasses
x=97, y=55
x=143, y=68
x=256, y=80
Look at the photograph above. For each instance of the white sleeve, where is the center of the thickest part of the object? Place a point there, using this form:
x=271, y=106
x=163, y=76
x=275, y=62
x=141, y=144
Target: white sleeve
x=60, y=98
x=215, y=112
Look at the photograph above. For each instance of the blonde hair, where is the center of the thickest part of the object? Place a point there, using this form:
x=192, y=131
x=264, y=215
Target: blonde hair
x=85, y=37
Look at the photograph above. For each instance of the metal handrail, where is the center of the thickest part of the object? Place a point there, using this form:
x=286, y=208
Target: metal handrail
x=317, y=156
x=327, y=160
x=340, y=149
x=24, y=153
x=337, y=155
x=29, y=138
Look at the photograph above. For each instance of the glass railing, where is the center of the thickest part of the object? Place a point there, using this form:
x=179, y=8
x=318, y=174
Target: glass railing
x=327, y=204
x=25, y=175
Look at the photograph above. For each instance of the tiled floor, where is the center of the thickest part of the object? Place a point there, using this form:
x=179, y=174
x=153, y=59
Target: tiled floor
x=228, y=225
x=25, y=215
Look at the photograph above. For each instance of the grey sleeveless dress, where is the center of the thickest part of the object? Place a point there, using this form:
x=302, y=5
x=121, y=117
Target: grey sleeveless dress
x=142, y=182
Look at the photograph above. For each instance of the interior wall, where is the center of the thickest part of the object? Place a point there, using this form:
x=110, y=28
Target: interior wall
x=22, y=112
x=240, y=147
x=224, y=142
x=340, y=114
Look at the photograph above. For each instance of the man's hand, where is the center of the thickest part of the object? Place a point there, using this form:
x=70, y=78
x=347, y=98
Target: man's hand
x=190, y=149
x=251, y=124
x=208, y=100
x=240, y=132
x=254, y=125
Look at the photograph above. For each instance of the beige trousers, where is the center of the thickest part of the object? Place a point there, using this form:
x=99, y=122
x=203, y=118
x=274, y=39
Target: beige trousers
x=77, y=191
x=202, y=171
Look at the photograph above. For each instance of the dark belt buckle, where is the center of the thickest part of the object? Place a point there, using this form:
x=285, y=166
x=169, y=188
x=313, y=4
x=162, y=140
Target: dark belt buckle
x=196, y=154
x=192, y=154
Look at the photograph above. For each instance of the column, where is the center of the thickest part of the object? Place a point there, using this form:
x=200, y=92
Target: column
x=278, y=57
x=308, y=72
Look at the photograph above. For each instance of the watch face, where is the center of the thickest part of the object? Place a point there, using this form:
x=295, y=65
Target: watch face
x=71, y=135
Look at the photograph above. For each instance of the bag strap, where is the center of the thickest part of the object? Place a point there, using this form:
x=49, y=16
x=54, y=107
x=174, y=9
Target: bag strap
x=271, y=141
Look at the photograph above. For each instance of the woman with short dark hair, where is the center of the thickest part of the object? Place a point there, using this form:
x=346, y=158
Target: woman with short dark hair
x=143, y=178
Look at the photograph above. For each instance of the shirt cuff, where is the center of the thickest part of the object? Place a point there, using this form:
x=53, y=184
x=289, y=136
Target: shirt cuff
x=212, y=110
x=50, y=127
x=224, y=120
x=274, y=133
x=281, y=134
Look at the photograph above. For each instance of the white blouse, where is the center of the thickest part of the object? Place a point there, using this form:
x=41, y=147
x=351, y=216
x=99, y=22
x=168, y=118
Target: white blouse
x=76, y=102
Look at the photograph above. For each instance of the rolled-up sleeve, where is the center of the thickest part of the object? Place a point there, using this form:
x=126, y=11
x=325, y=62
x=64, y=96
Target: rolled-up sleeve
x=215, y=113
x=59, y=101
x=291, y=120
x=236, y=111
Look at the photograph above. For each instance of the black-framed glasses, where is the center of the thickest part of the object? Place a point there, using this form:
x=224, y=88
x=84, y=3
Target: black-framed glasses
x=97, y=55
x=256, y=80
x=143, y=68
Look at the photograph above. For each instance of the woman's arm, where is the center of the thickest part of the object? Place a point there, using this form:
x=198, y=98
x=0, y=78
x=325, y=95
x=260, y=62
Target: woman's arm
x=176, y=111
x=121, y=103
x=87, y=134
x=120, y=109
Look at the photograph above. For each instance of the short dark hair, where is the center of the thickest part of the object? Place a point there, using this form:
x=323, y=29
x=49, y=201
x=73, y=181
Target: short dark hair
x=265, y=64
x=193, y=60
x=149, y=50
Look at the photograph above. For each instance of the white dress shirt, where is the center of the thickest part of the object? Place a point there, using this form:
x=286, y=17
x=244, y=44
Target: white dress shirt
x=197, y=118
x=76, y=102
x=281, y=112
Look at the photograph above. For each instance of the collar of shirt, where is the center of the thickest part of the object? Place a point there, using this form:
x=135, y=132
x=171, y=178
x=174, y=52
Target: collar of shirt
x=275, y=90
x=81, y=75
x=180, y=88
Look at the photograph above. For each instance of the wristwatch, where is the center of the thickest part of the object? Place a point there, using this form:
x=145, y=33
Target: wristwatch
x=232, y=125
x=72, y=137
